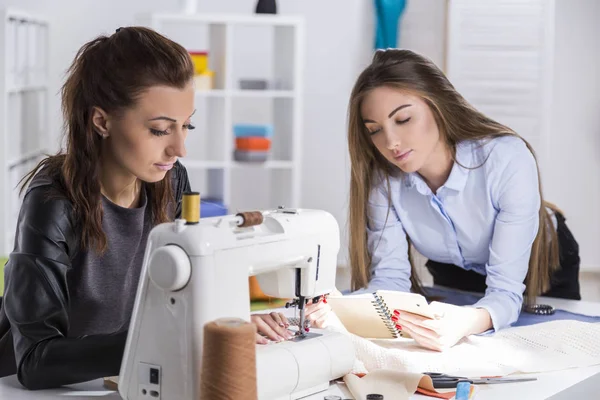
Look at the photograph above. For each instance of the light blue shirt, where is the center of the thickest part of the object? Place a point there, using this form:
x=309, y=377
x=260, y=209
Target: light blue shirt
x=483, y=219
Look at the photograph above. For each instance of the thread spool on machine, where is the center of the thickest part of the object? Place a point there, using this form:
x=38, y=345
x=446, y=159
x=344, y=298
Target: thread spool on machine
x=190, y=212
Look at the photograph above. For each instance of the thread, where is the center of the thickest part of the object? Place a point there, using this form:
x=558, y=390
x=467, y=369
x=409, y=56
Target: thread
x=250, y=218
x=229, y=361
x=190, y=208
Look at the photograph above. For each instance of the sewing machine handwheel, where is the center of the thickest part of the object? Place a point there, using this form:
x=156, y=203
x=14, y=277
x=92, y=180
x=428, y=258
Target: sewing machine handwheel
x=170, y=268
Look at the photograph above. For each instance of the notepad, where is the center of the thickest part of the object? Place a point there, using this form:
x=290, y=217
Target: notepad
x=370, y=315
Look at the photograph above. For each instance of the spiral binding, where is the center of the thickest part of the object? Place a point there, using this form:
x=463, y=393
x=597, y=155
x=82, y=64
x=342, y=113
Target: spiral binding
x=385, y=314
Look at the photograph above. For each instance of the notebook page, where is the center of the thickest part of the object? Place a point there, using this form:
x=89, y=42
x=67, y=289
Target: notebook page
x=359, y=316
x=404, y=301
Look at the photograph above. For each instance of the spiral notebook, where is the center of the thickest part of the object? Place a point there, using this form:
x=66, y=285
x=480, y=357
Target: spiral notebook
x=370, y=315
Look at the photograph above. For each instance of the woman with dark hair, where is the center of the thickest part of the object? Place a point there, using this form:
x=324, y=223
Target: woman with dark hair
x=72, y=277
x=430, y=170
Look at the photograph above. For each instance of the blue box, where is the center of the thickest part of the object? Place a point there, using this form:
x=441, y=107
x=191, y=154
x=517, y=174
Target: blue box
x=212, y=208
x=253, y=130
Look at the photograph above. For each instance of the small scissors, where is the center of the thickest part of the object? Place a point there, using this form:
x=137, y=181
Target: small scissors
x=443, y=381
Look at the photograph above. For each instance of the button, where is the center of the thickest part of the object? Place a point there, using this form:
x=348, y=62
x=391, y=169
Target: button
x=154, y=376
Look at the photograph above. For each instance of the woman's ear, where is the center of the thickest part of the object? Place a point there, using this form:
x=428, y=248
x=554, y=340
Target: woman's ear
x=100, y=122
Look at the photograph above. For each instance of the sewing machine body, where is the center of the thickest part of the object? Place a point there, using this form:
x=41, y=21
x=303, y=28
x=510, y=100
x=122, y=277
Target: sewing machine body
x=194, y=274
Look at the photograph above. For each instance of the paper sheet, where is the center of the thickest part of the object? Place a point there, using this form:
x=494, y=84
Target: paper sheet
x=550, y=346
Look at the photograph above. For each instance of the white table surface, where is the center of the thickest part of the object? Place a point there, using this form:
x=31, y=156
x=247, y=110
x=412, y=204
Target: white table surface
x=547, y=385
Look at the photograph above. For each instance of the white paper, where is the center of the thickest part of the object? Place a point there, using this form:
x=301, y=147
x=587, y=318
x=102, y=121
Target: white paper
x=550, y=346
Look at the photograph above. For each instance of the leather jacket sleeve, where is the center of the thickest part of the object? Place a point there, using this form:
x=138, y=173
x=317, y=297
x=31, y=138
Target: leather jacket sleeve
x=36, y=301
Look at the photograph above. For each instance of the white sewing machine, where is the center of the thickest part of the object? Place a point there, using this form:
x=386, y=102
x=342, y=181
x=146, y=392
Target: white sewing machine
x=196, y=273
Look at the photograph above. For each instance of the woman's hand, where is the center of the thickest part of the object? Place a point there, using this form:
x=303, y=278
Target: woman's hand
x=318, y=314
x=451, y=325
x=273, y=326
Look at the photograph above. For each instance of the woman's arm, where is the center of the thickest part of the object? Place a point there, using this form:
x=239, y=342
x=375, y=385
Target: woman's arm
x=36, y=301
x=516, y=191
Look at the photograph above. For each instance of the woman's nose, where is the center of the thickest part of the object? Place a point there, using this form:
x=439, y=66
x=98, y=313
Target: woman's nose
x=391, y=141
x=177, y=147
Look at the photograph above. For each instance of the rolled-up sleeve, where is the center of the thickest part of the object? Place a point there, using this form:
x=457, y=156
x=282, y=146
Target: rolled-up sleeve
x=515, y=229
x=387, y=244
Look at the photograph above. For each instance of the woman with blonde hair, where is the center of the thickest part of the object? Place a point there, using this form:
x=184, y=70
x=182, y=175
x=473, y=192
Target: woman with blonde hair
x=430, y=170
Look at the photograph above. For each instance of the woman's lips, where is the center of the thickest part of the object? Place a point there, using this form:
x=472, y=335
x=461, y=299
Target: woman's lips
x=401, y=156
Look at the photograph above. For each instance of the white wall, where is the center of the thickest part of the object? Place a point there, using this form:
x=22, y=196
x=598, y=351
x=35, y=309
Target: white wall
x=572, y=171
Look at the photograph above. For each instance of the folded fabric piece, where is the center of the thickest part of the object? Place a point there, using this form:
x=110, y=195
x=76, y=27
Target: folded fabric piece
x=391, y=384
x=247, y=130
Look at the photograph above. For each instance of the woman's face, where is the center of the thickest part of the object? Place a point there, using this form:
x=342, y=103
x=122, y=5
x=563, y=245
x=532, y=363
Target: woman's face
x=401, y=126
x=147, y=139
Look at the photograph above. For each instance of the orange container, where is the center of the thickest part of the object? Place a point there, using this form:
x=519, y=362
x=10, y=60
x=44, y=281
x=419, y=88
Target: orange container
x=253, y=144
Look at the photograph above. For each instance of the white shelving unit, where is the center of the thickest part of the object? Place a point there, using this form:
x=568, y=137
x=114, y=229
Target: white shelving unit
x=24, y=126
x=267, y=47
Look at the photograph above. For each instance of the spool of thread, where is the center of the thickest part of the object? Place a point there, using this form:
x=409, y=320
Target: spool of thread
x=190, y=208
x=249, y=218
x=229, y=360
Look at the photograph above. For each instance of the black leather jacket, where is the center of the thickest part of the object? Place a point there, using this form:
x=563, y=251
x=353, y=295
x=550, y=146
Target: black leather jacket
x=34, y=323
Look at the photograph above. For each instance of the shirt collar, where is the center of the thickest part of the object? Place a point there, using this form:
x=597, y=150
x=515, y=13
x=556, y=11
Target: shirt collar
x=458, y=175
x=460, y=170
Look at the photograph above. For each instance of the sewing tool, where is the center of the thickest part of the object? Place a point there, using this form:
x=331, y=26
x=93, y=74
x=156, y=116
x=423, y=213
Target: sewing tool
x=229, y=345
x=190, y=207
x=186, y=272
x=444, y=381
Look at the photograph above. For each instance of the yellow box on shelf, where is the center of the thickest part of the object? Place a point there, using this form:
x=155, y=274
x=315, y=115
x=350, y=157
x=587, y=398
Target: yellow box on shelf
x=200, y=60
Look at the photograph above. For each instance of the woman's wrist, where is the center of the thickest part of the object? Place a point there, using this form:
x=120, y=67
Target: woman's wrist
x=482, y=321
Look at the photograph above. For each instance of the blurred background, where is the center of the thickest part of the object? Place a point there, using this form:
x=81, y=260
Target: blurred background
x=272, y=91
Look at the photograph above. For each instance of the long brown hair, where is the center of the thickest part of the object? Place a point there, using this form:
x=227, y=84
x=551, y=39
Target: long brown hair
x=457, y=121
x=109, y=72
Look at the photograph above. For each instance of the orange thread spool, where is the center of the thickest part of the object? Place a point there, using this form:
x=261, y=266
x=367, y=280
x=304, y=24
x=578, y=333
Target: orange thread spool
x=250, y=218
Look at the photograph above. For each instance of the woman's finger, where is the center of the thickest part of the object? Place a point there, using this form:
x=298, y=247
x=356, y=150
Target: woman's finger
x=277, y=318
x=260, y=339
x=282, y=332
x=428, y=333
x=410, y=317
x=423, y=341
x=284, y=320
x=318, y=319
x=309, y=309
x=265, y=329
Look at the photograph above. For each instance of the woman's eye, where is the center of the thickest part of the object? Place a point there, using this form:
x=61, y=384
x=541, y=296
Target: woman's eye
x=189, y=127
x=375, y=131
x=157, y=132
x=403, y=121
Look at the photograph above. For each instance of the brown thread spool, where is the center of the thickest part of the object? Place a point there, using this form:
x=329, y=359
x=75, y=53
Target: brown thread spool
x=250, y=218
x=190, y=208
x=229, y=360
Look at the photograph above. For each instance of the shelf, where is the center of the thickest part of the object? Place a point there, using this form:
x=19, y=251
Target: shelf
x=26, y=88
x=274, y=164
x=253, y=19
x=266, y=165
x=240, y=93
x=211, y=93
x=199, y=164
x=264, y=93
